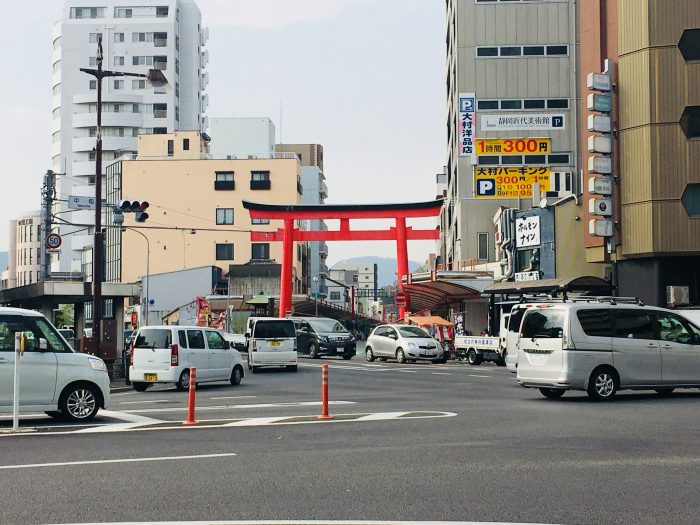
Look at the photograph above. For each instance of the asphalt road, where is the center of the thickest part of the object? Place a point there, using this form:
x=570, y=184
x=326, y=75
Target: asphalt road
x=409, y=442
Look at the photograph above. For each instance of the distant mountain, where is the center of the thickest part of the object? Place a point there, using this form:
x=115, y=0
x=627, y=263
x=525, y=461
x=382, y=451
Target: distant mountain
x=3, y=261
x=386, y=268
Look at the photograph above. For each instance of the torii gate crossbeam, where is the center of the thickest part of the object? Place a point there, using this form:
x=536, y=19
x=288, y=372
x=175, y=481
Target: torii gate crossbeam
x=344, y=212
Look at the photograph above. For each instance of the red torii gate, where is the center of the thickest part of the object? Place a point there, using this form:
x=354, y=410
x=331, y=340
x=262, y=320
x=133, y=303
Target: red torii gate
x=287, y=235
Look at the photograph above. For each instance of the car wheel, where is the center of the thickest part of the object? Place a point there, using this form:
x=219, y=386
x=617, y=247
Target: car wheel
x=663, y=392
x=79, y=402
x=603, y=384
x=139, y=386
x=369, y=354
x=501, y=361
x=444, y=359
x=347, y=357
x=473, y=358
x=291, y=368
x=400, y=356
x=313, y=351
x=552, y=393
x=184, y=382
x=236, y=375
x=254, y=369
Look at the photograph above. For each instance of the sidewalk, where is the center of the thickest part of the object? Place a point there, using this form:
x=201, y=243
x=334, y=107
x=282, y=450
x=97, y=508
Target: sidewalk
x=119, y=385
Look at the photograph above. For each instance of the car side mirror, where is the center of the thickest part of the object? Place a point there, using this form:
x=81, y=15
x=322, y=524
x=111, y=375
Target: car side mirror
x=43, y=344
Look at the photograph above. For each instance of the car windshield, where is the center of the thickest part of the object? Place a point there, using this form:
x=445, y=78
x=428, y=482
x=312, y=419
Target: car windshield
x=327, y=325
x=274, y=329
x=153, y=338
x=413, y=331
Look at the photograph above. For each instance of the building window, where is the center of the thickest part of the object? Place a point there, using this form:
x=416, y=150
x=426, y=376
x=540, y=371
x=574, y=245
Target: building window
x=118, y=84
x=689, y=45
x=533, y=104
x=118, y=61
x=511, y=104
x=87, y=12
x=560, y=159
x=138, y=84
x=122, y=12
x=94, y=37
x=335, y=296
x=162, y=11
x=92, y=61
x=171, y=148
x=142, y=37
x=224, y=252
x=93, y=84
x=142, y=60
x=160, y=110
x=521, y=51
x=690, y=122
x=558, y=103
x=260, y=180
x=260, y=251
x=260, y=221
x=483, y=246
x=185, y=144
x=118, y=38
x=487, y=104
x=224, y=181
x=224, y=216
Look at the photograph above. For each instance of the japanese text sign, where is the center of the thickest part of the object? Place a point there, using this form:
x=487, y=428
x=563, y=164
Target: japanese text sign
x=527, y=232
x=467, y=106
x=513, y=146
x=509, y=182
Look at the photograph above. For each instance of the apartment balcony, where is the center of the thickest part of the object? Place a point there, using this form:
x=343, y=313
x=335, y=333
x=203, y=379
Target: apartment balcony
x=160, y=42
x=83, y=168
x=160, y=113
x=109, y=119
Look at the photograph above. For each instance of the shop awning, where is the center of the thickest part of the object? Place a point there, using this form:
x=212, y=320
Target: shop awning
x=593, y=285
x=429, y=320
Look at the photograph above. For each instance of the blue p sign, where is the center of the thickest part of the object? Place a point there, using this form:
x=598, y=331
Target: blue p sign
x=485, y=187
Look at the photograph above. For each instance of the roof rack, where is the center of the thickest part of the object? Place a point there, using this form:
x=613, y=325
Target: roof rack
x=582, y=299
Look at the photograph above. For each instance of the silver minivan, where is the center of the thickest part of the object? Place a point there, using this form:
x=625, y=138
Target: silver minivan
x=602, y=348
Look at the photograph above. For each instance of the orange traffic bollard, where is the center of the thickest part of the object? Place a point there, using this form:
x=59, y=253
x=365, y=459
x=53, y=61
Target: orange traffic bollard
x=190, y=398
x=324, y=393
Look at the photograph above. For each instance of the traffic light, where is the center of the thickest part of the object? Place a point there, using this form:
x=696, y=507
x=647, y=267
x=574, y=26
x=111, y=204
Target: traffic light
x=136, y=207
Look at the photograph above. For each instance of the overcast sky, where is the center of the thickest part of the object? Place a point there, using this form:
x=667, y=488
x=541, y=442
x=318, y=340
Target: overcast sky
x=364, y=78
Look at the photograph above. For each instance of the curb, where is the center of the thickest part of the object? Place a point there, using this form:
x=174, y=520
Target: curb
x=119, y=388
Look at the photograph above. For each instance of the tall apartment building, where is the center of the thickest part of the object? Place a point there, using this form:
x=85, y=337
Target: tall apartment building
x=654, y=51
x=136, y=36
x=315, y=191
x=510, y=74
x=204, y=222
x=241, y=137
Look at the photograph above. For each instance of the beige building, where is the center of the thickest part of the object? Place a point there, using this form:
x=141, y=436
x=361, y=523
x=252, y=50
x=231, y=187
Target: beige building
x=196, y=217
x=308, y=154
x=24, y=255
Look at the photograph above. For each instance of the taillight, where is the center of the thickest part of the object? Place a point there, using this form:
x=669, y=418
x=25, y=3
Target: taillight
x=253, y=345
x=131, y=357
x=174, y=355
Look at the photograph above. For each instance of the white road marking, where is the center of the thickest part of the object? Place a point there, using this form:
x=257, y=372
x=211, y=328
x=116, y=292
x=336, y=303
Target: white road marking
x=381, y=416
x=132, y=421
x=107, y=461
x=124, y=394
x=254, y=422
x=441, y=374
x=231, y=397
x=474, y=375
x=145, y=401
x=236, y=407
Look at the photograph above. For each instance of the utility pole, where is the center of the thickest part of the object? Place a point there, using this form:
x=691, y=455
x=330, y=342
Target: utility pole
x=48, y=194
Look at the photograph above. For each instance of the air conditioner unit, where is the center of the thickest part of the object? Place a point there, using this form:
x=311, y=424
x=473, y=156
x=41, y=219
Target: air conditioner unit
x=677, y=295
x=251, y=157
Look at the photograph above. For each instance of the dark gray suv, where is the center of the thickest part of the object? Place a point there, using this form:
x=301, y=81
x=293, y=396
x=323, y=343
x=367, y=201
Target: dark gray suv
x=317, y=336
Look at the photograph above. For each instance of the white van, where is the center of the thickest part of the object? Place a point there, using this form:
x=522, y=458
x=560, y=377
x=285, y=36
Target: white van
x=272, y=342
x=53, y=378
x=602, y=348
x=512, y=334
x=164, y=354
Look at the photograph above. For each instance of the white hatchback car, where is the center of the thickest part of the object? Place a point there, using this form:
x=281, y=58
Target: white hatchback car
x=404, y=343
x=53, y=378
x=164, y=354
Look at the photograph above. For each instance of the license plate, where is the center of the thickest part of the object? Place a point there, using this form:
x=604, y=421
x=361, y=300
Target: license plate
x=274, y=343
x=151, y=377
x=340, y=349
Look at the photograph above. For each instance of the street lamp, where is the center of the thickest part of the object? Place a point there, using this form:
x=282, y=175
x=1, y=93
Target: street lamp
x=148, y=274
x=157, y=79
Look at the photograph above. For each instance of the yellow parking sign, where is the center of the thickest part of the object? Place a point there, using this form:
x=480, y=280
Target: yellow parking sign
x=513, y=146
x=509, y=182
